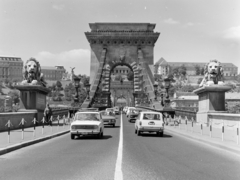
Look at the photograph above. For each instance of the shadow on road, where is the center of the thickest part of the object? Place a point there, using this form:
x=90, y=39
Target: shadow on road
x=105, y=137
x=155, y=135
x=111, y=127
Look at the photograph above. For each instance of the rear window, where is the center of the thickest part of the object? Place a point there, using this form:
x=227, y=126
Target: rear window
x=87, y=117
x=151, y=116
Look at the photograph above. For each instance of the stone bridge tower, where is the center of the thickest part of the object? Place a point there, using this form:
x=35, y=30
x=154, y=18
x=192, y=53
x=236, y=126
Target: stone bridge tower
x=114, y=44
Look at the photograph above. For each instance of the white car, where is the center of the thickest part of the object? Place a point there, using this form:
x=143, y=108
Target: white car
x=110, y=111
x=129, y=110
x=87, y=123
x=148, y=121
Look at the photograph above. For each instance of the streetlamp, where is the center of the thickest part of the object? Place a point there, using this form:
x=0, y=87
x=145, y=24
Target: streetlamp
x=88, y=90
x=166, y=86
x=155, y=90
x=77, y=85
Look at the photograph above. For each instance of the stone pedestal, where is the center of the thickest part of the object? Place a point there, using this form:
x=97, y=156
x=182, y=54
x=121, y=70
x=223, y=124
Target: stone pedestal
x=33, y=97
x=211, y=99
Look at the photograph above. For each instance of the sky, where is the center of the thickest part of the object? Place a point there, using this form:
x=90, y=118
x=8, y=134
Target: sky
x=52, y=31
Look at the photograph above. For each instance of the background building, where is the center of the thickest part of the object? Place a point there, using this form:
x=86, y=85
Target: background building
x=163, y=67
x=54, y=73
x=11, y=68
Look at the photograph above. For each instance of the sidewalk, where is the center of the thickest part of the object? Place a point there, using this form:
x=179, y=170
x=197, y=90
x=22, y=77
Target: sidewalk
x=227, y=144
x=19, y=139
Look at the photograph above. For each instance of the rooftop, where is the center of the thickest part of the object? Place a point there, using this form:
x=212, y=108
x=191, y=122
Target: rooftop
x=10, y=58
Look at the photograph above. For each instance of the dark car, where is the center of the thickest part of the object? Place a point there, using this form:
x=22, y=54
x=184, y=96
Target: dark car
x=133, y=114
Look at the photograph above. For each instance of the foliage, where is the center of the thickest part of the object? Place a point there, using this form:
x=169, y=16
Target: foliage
x=85, y=79
x=197, y=70
x=6, y=81
x=180, y=71
x=199, y=80
x=15, y=95
x=187, y=88
x=238, y=78
x=59, y=86
x=233, y=107
x=118, y=77
x=130, y=76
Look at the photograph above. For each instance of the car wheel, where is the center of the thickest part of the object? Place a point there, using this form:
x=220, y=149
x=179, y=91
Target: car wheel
x=100, y=135
x=161, y=134
x=72, y=136
x=138, y=133
x=113, y=125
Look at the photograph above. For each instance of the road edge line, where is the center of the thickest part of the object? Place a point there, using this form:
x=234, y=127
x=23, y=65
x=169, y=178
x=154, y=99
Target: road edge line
x=207, y=143
x=9, y=149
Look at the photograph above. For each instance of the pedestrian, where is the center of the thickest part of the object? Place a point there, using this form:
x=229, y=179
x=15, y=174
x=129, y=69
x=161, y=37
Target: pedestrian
x=48, y=114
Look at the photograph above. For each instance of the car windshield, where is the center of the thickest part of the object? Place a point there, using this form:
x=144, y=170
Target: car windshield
x=151, y=116
x=134, y=111
x=87, y=116
x=109, y=110
x=104, y=113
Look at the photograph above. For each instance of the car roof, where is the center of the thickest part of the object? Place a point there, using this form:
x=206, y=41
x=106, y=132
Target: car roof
x=89, y=112
x=150, y=112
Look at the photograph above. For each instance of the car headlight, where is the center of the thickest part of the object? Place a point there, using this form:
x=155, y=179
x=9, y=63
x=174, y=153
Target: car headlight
x=113, y=120
x=73, y=127
x=95, y=127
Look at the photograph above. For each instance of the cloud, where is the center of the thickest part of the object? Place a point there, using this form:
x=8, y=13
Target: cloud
x=232, y=33
x=79, y=58
x=58, y=7
x=171, y=21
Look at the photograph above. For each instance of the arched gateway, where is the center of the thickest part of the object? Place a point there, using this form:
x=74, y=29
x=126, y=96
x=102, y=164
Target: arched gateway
x=114, y=44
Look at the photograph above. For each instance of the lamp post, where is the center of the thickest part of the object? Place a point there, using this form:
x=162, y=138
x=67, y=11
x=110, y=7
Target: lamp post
x=167, y=86
x=88, y=90
x=165, y=102
x=77, y=85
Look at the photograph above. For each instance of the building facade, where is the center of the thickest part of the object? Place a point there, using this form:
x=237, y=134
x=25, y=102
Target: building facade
x=11, y=68
x=163, y=67
x=54, y=73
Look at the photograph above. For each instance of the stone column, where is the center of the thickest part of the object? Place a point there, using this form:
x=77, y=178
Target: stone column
x=211, y=100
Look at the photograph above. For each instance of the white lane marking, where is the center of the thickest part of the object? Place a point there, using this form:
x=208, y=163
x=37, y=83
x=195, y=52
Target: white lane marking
x=118, y=168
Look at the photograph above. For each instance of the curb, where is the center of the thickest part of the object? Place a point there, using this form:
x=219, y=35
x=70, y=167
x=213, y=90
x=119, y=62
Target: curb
x=234, y=150
x=31, y=142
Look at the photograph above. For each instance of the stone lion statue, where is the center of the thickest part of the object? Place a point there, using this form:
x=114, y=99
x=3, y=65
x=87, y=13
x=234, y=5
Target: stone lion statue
x=32, y=73
x=213, y=74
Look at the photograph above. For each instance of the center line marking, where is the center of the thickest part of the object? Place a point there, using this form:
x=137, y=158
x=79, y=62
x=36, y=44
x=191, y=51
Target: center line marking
x=118, y=168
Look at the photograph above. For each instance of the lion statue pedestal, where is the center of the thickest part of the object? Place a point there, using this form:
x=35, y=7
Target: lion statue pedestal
x=211, y=100
x=33, y=97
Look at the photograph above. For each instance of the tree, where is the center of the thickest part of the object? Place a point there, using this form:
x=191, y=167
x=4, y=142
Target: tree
x=199, y=80
x=202, y=71
x=59, y=86
x=130, y=76
x=182, y=70
x=118, y=77
x=198, y=70
x=15, y=95
x=187, y=88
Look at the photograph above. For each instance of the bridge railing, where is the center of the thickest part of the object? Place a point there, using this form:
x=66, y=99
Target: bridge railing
x=222, y=126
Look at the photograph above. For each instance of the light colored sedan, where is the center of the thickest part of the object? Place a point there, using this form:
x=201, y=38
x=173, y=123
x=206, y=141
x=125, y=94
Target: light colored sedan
x=108, y=119
x=149, y=122
x=87, y=123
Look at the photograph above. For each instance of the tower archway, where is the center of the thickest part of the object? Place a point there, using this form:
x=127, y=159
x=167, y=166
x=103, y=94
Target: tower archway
x=114, y=44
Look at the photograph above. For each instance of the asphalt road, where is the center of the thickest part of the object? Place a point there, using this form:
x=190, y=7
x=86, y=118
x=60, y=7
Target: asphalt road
x=143, y=157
